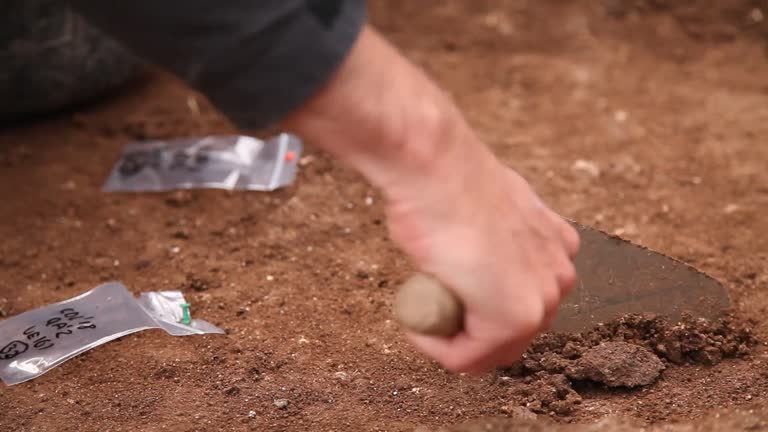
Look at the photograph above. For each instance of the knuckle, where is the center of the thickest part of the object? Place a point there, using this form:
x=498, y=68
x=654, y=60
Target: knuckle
x=572, y=240
x=567, y=277
x=531, y=320
x=551, y=298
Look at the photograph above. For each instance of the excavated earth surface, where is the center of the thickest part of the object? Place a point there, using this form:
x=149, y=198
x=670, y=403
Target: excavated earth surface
x=629, y=352
x=646, y=119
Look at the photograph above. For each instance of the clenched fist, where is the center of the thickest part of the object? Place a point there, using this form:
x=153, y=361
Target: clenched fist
x=461, y=215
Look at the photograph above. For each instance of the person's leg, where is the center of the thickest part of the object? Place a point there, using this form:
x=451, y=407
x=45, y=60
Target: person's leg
x=50, y=59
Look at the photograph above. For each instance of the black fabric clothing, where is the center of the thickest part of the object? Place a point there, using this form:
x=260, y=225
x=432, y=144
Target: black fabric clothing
x=256, y=60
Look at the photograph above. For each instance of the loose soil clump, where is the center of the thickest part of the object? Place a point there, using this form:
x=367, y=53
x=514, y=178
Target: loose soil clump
x=617, y=364
x=631, y=351
x=550, y=394
x=692, y=340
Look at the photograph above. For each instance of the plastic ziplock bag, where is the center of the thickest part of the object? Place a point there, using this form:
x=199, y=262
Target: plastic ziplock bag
x=219, y=162
x=38, y=340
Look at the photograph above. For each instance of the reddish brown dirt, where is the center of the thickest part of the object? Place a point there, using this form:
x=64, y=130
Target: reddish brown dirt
x=628, y=352
x=664, y=103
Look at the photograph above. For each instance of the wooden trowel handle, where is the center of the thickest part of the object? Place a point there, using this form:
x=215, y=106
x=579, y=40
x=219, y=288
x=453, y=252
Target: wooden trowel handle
x=424, y=306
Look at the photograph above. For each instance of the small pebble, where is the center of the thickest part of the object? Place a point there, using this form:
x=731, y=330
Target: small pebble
x=341, y=376
x=620, y=116
x=628, y=229
x=252, y=414
x=368, y=201
x=281, y=403
x=587, y=167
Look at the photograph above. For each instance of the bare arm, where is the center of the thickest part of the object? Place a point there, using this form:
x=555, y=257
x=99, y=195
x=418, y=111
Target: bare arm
x=452, y=206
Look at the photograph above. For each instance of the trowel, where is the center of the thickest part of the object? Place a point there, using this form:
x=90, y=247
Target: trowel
x=615, y=277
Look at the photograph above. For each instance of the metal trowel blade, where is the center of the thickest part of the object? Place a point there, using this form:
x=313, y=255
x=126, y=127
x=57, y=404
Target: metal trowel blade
x=617, y=277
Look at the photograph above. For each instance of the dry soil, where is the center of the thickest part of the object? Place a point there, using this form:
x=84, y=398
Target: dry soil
x=644, y=118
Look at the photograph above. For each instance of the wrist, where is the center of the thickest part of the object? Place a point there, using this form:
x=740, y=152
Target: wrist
x=384, y=117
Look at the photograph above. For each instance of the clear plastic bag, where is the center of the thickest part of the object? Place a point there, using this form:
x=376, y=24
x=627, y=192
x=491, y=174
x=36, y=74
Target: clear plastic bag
x=38, y=340
x=220, y=162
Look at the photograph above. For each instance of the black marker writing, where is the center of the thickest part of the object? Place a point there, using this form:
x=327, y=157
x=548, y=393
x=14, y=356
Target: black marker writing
x=13, y=349
x=67, y=322
x=189, y=161
x=38, y=340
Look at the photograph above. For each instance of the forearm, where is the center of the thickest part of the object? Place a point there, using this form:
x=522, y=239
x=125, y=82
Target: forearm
x=386, y=118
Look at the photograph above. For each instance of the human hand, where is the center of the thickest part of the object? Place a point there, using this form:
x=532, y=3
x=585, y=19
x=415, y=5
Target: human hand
x=462, y=216
x=504, y=255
